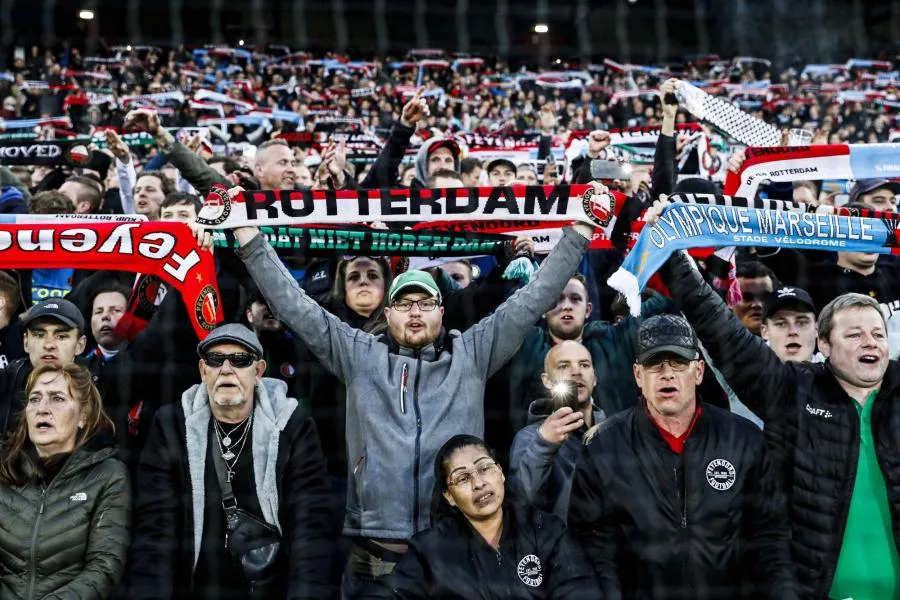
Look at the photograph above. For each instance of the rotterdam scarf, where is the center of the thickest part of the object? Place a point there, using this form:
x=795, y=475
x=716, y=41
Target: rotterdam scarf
x=167, y=250
x=835, y=161
x=701, y=220
x=556, y=204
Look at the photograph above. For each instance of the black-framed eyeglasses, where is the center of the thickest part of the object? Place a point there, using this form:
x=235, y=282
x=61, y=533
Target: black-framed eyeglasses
x=238, y=360
x=425, y=305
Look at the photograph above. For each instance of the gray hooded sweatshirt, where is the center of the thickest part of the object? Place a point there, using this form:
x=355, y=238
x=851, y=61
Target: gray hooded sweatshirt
x=392, y=436
x=422, y=160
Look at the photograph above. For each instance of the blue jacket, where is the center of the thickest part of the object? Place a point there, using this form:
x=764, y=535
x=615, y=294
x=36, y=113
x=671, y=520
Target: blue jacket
x=542, y=469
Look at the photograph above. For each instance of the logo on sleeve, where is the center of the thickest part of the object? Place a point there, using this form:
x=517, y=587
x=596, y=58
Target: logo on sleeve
x=529, y=571
x=720, y=474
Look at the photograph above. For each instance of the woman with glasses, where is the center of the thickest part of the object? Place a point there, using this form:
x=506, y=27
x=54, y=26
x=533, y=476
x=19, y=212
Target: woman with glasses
x=65, y=499
x=483, y=543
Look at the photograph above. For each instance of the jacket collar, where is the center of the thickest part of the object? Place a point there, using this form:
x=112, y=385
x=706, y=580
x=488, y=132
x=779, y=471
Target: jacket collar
x=648, y=429
x=271, y=412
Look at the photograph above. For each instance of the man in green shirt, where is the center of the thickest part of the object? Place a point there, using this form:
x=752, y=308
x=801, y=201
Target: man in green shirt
x=868, y=565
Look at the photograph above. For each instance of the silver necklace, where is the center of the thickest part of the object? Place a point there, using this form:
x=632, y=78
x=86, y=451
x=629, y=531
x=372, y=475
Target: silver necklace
x=226, y=439
x=227, y=452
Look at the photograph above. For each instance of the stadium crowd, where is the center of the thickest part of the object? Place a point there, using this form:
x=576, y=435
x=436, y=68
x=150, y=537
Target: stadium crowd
x=413, y=426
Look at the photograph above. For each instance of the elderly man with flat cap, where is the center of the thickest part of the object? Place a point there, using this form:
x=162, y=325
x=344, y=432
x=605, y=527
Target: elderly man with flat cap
x=676, y=498
x=232, y=496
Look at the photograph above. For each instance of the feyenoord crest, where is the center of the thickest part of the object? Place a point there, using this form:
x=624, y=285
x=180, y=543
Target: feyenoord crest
x=216, y=208
x=205, y=308
x=529, y=571
x=599, y=208
x=78, y=155
x=720, y=474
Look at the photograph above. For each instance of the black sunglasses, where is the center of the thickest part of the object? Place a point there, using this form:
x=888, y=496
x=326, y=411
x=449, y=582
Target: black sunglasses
x=238, y=360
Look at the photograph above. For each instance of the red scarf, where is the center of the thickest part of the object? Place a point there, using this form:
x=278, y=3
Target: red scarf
x=167, y=250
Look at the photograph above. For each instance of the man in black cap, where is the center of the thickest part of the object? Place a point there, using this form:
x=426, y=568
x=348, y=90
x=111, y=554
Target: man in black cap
x=501, y=171
x=878, y=194
x=234, y=440
x=675, y=498
x=54, y=334
x=789, y=324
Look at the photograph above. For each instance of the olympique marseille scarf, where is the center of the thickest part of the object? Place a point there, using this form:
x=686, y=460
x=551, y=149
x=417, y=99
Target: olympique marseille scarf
x=358, y=241
x=167, y=250
x=556, y=204
x=835, y=161
x=702, y=220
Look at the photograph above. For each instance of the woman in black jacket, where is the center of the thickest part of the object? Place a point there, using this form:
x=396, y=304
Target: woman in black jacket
x=483, y=544
x=65, y=500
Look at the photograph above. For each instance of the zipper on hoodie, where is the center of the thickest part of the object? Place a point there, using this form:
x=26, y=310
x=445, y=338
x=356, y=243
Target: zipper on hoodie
x=418, y=444
x=34, y=532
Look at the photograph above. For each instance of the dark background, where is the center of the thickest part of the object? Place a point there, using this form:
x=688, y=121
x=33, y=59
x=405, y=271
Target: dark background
x=646, y=31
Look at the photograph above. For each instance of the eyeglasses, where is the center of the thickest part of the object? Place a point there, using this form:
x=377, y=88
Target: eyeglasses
x=482, y=471
x=675, y=364
x=425, y=305
x=238, y=360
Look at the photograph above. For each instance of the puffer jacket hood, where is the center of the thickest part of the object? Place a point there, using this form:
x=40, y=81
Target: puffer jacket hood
x=422, y=158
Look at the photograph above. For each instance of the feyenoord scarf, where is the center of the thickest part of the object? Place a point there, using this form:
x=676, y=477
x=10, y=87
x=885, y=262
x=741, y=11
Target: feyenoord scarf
x=53, y=153
x=561, y=203
x=360, y=241
x=167, y=250
x=705, y=220
x=834, y=161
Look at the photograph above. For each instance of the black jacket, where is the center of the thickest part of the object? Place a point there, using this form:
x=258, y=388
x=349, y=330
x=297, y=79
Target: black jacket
x=12, y=393
x=811, y=426
x=162, y=564
x=451, y=561
x=709, y=523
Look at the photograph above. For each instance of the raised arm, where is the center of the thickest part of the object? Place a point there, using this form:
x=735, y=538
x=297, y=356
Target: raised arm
x=193, y=168
x=332, y=341
x=742, y=357
x=494, y=340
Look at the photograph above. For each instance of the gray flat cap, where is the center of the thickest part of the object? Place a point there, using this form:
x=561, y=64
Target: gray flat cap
x=231, y=332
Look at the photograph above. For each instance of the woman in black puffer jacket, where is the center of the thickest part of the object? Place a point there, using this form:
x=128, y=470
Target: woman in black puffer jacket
x=65, y=500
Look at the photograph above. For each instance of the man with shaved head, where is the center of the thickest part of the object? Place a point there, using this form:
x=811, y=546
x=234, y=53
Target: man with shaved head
x=543, y=453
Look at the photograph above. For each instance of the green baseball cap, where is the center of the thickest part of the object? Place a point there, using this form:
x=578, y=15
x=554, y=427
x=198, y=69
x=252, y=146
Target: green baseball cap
x=414, y=279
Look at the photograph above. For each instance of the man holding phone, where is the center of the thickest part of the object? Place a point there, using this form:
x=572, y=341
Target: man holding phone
x=542, y=459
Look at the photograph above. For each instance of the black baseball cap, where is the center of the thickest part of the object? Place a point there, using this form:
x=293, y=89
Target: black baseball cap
x=59, y=309
x=500, y=161
x=788, y=296
x=667, y=334
x=864, y=186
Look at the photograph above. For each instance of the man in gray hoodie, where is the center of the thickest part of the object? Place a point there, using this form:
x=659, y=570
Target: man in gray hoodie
x=408, y=391
x=436, y=154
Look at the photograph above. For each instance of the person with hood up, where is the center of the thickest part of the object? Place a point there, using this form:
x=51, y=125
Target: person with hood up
x=543, y=455
x=436, y=154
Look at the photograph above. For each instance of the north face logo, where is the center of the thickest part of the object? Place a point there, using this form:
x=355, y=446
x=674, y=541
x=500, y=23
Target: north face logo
x=79, y=497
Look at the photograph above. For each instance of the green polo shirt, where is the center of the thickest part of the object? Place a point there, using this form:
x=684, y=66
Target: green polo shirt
x=868, y=567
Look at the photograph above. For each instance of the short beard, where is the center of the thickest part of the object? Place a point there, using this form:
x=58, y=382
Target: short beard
x=565, y=336
x=231, y=403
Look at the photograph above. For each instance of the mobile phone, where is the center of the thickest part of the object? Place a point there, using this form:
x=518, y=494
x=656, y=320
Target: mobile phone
x=565, y=393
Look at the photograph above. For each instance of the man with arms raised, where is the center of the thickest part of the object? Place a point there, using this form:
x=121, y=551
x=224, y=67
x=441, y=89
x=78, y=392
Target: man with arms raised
x=407, y=390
